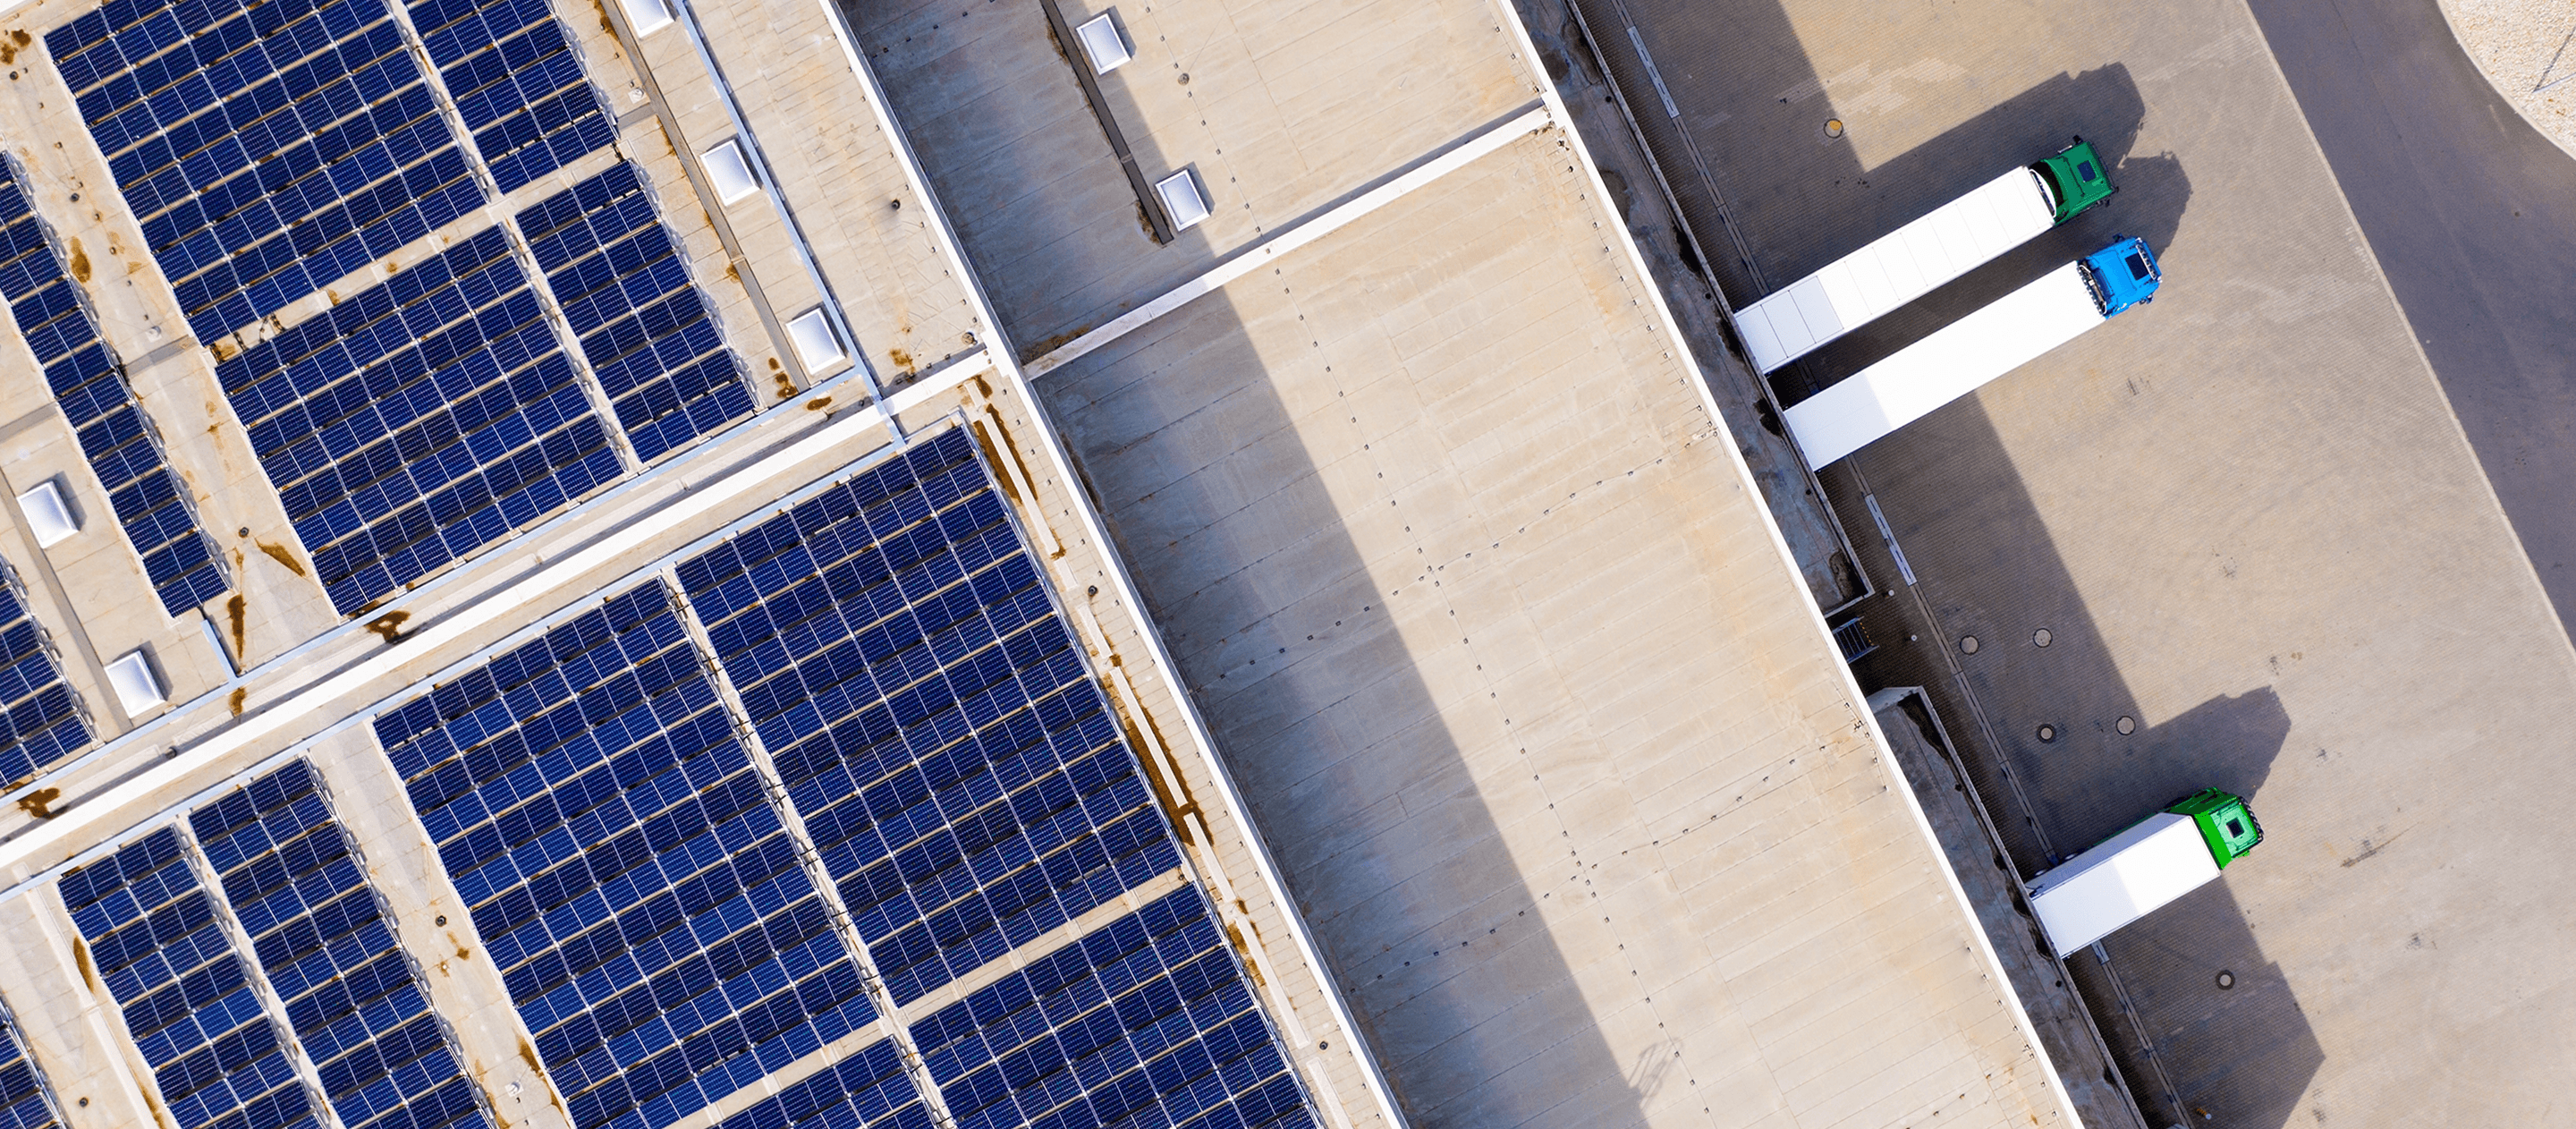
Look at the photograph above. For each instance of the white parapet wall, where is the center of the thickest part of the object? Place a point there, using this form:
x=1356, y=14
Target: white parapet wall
x=1896, y=268
x=1953, y=361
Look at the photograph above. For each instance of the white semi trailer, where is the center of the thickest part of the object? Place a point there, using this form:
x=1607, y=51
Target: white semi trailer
x=2137, y=871
x=1962, y=356
x=1913, y=260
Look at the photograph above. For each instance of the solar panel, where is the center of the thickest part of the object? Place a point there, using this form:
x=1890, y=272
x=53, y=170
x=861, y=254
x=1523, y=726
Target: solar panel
x=652, y=922
x=419, y=420
x=320, y=936
x=187, y=994
x=150, y=501
x=516, y=82
x=954, y=762
x=24, y=1101
x=40, y=720
x=644, y=327
x=268, y=146
x=868, y=1090
x=1146, y=1022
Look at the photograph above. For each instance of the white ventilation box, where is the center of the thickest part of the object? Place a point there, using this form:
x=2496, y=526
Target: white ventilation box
x=137, y=687
x=1182, y=200
x=1102, y=41
x=647, y=16
x=816, y=345
x=48, y=514
x=730, y=169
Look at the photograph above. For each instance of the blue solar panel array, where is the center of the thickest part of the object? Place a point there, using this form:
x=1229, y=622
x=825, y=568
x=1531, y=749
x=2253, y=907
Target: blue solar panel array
x=420, y=420
x=646, y=906
x=154, y=938
x=24, y=1103
x=149, y=499
x=328, y=951
x=268, y=146
x=955, y=763
x=645, y=328
x=40, y=721
x=1145, y=1023
x=516, y=82
x=868, y=1090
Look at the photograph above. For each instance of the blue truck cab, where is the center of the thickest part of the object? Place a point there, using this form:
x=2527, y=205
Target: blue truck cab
x=2122, y=275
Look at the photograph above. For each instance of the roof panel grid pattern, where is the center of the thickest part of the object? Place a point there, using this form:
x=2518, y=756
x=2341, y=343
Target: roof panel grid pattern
x=328, y=949
x=40, y=719
x=419, y=421
x=517, y=83
x=190, y=1006
x=929, y=714
x=644, y=327
x=1145, y=1023
x=868, y=1090
x=150, y=501
x=650, y=915
x=268, y=146
x=24, y=1100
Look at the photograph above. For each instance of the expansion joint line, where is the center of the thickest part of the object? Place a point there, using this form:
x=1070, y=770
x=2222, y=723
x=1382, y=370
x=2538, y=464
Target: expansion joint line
x=269, y=1003
x=507, y=220
x=806, y=855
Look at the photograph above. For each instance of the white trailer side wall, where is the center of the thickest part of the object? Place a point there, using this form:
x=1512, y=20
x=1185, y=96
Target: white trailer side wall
x=1954, y=361
x=1896, y=268
x=2125, y=878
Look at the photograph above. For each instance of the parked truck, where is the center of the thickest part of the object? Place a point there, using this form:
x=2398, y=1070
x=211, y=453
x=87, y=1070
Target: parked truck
x=1962, y=356
x=2131, y=874
x=1916, y=259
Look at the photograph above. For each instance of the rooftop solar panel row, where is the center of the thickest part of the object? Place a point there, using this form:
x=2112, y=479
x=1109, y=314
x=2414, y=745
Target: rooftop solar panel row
x=419, y=421
x=189, y=1003
x=954, y=762
x=516, y=82
x=1146, y=1022
x=351, y=994
x=24, y=1101
x=150, y=501
x=40, y=720
x=650, y=914
x=270, y=148
x=644, y=327
x=868, y=1090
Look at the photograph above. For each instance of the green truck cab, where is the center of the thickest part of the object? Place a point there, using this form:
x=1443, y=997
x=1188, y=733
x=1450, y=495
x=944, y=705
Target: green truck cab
x=2075, y=178
x=2226, y=824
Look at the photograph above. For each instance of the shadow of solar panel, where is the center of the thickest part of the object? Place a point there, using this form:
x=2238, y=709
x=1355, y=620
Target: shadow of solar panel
x=1146, y=1022
x=268, y=146
x=647, y=909
x=154, y=940
x=324, y=942
x=516, y=82
x=953, y=760
x=24, y=1102
x=868, y=1090
x=420, y=420
x=40, y=721
x=645, y=328
x=149, y=500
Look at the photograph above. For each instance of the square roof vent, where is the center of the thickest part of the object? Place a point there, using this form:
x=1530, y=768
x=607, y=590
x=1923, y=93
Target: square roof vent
x=1102, y=41
x=1183, y=200
x=816, y=345
x=138, y=688
x=48, y=514
x=647, y=16
x=730, y=169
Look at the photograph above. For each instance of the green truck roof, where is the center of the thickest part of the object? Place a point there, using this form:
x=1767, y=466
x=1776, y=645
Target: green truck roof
x=2226, y=823
x=2077, y=177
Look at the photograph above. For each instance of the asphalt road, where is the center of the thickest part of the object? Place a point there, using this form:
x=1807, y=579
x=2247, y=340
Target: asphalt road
x=2472, y=215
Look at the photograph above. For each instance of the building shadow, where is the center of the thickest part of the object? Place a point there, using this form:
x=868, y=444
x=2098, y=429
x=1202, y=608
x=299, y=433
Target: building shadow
x=1778, y=200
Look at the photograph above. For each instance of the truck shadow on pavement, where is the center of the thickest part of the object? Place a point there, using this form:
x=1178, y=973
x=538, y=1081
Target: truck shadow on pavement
x=1780, y=200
